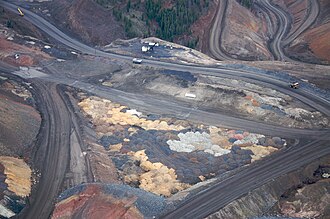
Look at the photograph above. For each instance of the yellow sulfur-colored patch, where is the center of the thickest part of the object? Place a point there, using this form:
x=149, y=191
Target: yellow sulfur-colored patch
x=260, y=151
x=157, y=178
x=18, y=175
x=105, y=112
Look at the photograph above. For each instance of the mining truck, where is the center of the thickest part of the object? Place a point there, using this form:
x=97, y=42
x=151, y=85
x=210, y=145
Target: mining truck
x=294, y=85
x=20, y=12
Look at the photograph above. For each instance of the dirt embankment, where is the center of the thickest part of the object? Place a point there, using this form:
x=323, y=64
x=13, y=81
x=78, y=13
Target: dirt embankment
x=87, y=20
x=297, y=9
x=318, y=40
x=19, y=50
x=244, y=34
x=303, y=193
x=19, y=122
x=17, y=23
x=19, y=125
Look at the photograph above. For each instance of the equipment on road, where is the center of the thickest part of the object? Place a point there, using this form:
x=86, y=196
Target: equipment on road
x=190, y=95
x=20, y=12
x=137, y=61
x=294, y=85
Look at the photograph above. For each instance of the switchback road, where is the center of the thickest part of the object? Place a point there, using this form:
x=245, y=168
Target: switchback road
x=282, y=29
x=312, y=14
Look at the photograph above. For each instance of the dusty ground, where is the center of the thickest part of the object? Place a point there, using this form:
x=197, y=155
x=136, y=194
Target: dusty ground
x=222, y=95
x=80, y=18
x=19, y=125
x=28, y=53
x=302, y=203
x=19, y=25
x=19, y=119
x=165, y=51
x=145, y=151
x=318, y=75
x=93, y=202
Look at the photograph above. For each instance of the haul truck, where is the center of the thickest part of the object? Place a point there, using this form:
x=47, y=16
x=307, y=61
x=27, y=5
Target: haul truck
x=294, y=85
x=20, y=12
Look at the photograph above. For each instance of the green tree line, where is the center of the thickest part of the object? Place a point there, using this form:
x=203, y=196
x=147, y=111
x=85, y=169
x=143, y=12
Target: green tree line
x=176, y=20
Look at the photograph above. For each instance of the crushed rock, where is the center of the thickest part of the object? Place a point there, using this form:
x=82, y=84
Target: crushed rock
x=192, y=141
x=250, y=139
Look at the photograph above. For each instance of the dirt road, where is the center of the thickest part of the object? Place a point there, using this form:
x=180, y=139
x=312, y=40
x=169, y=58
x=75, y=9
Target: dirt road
x=52, y=150
x=216, y=32
x=227, y=190
x=310, y=18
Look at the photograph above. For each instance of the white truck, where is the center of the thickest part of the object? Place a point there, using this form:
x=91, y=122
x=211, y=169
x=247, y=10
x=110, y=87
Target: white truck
x=137, y=61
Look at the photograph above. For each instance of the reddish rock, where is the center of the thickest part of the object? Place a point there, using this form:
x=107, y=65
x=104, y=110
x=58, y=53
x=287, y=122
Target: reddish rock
x=92, y=203
x=238, y=136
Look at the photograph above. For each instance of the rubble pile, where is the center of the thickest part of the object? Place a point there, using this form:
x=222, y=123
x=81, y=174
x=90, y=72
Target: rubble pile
x=164, y=155
x=192, y=141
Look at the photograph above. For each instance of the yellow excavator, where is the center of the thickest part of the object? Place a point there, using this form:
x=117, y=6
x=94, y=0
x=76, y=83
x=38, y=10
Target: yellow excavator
x=20, y=12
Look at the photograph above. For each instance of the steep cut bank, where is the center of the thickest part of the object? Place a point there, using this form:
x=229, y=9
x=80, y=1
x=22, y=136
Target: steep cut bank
x=86, y=20
x=244, y=34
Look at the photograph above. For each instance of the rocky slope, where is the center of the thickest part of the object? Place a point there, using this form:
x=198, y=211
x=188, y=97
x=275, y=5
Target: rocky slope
x=86, y=20
x=107, y=201
x=244, y=34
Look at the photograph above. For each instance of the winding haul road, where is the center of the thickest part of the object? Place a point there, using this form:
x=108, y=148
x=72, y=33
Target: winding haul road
x=216, y=32
x=54, y=143
x=282, y=28
x=278, y=29
x=310, y=18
